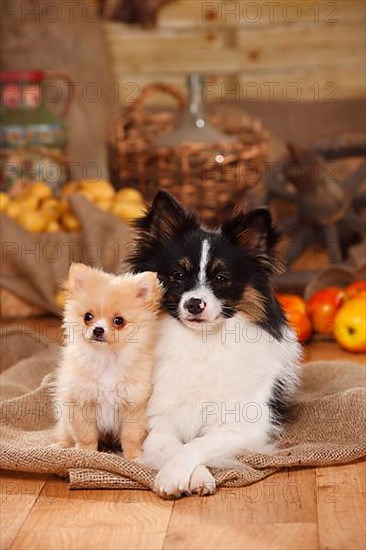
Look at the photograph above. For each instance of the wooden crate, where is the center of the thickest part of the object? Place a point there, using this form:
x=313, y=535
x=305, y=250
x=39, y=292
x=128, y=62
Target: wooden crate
x=318, y=47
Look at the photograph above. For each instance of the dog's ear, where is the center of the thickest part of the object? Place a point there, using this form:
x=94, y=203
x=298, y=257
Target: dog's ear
x=77, y=274
x=166, y=217
x=253, y=231
x=148, y=287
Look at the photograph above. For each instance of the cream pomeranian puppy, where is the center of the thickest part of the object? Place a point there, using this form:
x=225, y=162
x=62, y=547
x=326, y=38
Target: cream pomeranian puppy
x=104, y=379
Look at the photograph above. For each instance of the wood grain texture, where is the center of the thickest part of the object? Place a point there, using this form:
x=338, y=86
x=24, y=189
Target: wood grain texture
x=264, y=50
x=229, y=536
x=318, y=46
x=63, y=519
x=163, y=50
x=18, y=493
x=341, y=506
x=183, y=13
x=265, y=515
x=318, y=351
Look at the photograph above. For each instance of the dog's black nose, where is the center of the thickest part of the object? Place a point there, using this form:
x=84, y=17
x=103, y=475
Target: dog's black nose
x=98, y=331
x=195, y=305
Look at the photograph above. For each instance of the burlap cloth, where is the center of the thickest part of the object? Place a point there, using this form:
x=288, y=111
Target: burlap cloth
x=328, y=426
x=33, y=265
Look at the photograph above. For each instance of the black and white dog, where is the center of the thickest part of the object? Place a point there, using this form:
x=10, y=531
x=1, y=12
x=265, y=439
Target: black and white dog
x=226, y=361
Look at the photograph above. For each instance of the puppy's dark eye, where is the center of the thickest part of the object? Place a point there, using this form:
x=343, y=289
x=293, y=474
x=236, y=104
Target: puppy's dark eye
x=177, y=277
x=220, y=279
x=88, y=317
x=118, y=321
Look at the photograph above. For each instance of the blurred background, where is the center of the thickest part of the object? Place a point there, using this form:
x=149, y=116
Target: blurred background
x=224, y=103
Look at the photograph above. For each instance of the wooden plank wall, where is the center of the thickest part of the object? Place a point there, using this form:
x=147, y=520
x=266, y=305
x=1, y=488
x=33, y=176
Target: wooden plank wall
x=250, y=51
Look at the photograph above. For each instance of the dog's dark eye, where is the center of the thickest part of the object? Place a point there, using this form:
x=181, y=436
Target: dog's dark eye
x=88, y=317
x=220, y=279
x=177, y=277
x=118, y=321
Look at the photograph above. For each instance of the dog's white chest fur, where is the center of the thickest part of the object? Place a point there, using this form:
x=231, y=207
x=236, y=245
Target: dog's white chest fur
x=221, y=375
x=98, y=378
x=108, y=387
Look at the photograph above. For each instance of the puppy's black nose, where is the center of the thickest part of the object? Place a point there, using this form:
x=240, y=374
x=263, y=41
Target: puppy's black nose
x=195, y=305
x=98, y=331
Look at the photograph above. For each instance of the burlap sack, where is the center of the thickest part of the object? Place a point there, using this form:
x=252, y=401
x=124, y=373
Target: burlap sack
x=33, y=265
x=328, y=427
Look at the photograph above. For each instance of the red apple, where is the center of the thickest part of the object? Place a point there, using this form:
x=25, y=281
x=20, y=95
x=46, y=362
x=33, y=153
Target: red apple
x=294, y=308
x=322, y=308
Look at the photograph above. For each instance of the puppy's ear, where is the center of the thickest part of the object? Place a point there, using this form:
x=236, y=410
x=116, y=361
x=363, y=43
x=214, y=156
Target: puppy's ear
x=147, y=286
x=166, y=217
x=77, y=276
x=253, y=231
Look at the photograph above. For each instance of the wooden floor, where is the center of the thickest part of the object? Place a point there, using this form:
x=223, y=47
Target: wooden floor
x=318, y=508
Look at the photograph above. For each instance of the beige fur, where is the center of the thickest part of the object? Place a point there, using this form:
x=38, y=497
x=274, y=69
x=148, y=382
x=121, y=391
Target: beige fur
x=103, y=387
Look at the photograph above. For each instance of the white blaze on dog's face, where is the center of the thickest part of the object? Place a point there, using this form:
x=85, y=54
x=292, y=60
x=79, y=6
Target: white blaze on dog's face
x=200, y=305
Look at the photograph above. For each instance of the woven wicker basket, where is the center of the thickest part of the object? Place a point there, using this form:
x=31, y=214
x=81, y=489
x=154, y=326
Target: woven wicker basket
x=209, y=178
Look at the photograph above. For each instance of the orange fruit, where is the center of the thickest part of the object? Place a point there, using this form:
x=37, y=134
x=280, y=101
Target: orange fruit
x=294, y=308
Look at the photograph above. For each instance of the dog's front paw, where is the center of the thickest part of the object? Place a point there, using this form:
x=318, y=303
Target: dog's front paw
x=92, y=446
x=173, y=480
x=148, y=461
x=202, y=483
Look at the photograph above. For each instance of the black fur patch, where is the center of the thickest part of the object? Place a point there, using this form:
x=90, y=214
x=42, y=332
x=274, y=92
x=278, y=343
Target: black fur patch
x=109, y=443
x=281, y=403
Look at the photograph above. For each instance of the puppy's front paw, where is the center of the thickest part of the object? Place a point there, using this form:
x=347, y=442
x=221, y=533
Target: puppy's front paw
x=92, y=446
x=135, y=456
x=202, y=483
x=61, y=444
x=173, y=480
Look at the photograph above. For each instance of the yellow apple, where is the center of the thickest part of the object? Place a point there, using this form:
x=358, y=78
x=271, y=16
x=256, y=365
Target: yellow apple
x=350, y=325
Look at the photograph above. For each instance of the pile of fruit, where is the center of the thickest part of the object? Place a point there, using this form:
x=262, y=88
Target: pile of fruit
x=37, y=209
x=333, y=312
